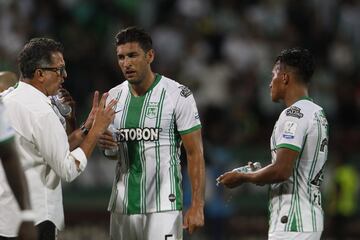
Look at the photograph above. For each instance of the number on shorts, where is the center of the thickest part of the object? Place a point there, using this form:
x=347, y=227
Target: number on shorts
x=168, y=236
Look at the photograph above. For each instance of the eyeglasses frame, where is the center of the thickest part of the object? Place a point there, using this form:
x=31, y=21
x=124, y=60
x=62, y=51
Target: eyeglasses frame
x=61, y=71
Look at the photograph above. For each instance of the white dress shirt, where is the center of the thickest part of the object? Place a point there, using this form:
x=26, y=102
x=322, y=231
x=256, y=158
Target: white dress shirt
x=44, y=151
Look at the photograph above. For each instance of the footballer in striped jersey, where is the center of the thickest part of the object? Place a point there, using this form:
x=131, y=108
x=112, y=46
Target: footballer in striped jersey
x=154, y=116
x=299, y=149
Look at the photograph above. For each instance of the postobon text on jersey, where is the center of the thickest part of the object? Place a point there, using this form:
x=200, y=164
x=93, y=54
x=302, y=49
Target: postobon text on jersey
x=138, y=134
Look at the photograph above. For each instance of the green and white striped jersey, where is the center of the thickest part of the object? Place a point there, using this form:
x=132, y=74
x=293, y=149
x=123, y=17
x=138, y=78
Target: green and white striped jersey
x=148, y=128
x=295, y=205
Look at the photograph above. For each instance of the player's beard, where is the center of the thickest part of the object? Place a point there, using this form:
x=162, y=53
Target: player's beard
x=137, y=79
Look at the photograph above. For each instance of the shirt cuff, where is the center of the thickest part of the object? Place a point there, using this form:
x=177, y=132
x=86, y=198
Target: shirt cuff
x=79, y=155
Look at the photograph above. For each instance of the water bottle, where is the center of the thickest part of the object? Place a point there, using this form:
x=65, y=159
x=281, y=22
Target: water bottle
x=247, y=168
x=244, y=169
x=112, y=152
x=64, y=109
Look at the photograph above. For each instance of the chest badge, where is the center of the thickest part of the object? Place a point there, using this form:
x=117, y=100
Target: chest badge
x=152, y=110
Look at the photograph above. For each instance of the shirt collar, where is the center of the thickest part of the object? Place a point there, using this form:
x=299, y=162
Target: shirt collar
x=35, y=91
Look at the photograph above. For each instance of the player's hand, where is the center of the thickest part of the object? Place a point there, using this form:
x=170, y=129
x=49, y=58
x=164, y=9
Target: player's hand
x=230, y=179
x=27, y=231
x=66, y=98
x=95, y=105
x=106, y=141
x=103, y=115
x=194, y=218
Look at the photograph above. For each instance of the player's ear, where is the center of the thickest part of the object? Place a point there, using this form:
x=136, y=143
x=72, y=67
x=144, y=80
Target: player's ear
x=285, y=78
x=150, y=56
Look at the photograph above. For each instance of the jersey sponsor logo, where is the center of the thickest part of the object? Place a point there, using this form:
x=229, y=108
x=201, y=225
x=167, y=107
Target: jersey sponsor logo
x=289, y=130
x=138, y=134
x=294, y=112
x=152, y=110
x=185, y=91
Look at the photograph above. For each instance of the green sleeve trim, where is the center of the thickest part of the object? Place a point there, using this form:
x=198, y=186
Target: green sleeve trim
x=190, y=130
x=8, y=140
x=289, y=146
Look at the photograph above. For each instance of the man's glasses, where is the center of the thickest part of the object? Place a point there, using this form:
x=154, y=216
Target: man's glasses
x=61, y=71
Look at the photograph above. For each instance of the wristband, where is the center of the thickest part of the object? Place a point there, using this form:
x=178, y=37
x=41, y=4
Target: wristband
x=27, y=215
x=84, y=130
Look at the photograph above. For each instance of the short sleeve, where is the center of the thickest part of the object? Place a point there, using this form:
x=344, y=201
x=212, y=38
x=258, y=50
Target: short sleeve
x=186, y=112
x=292, y=128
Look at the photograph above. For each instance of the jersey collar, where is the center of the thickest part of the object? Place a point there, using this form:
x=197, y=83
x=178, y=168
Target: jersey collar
x=306, y=98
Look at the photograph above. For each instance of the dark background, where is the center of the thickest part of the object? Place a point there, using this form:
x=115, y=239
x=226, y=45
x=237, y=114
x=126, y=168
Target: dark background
x=224, y=51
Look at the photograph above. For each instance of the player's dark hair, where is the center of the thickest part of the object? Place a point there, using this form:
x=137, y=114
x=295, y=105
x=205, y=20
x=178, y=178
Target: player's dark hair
x=134, y=34
x=299, y=58
x=37, y=53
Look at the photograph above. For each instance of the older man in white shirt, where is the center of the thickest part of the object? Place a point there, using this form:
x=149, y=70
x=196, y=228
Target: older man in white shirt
x=43, y=143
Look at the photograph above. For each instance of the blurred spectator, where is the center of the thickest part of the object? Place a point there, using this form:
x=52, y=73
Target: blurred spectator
x=7, y=79
x=343, y=196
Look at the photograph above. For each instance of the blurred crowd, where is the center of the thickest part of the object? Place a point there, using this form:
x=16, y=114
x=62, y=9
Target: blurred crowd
x=224, y=51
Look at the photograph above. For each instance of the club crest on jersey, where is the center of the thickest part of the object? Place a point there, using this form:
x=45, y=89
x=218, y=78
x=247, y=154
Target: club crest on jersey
x=294, y=112
x=152, y=110
x=185, y=91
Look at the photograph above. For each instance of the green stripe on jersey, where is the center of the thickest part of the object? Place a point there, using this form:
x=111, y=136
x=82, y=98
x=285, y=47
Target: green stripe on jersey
x=312, y=169
x=289, y=146
x=294, y=211
x=157, y=151
x=142, y=154
x=190, y=130
x=134, y=181
x=175, y=172
x=127, y=161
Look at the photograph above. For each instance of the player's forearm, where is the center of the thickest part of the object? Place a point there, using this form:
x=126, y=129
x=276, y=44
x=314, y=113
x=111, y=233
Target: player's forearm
x=196, y=169
x=267, y=175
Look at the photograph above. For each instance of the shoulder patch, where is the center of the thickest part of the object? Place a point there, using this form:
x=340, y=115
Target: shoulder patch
x=289, y=130
x=294, y=112
x=185, y=91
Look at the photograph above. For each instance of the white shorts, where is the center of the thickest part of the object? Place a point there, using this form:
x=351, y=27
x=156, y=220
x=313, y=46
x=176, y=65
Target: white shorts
x=160, y=226
x=295, y=235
